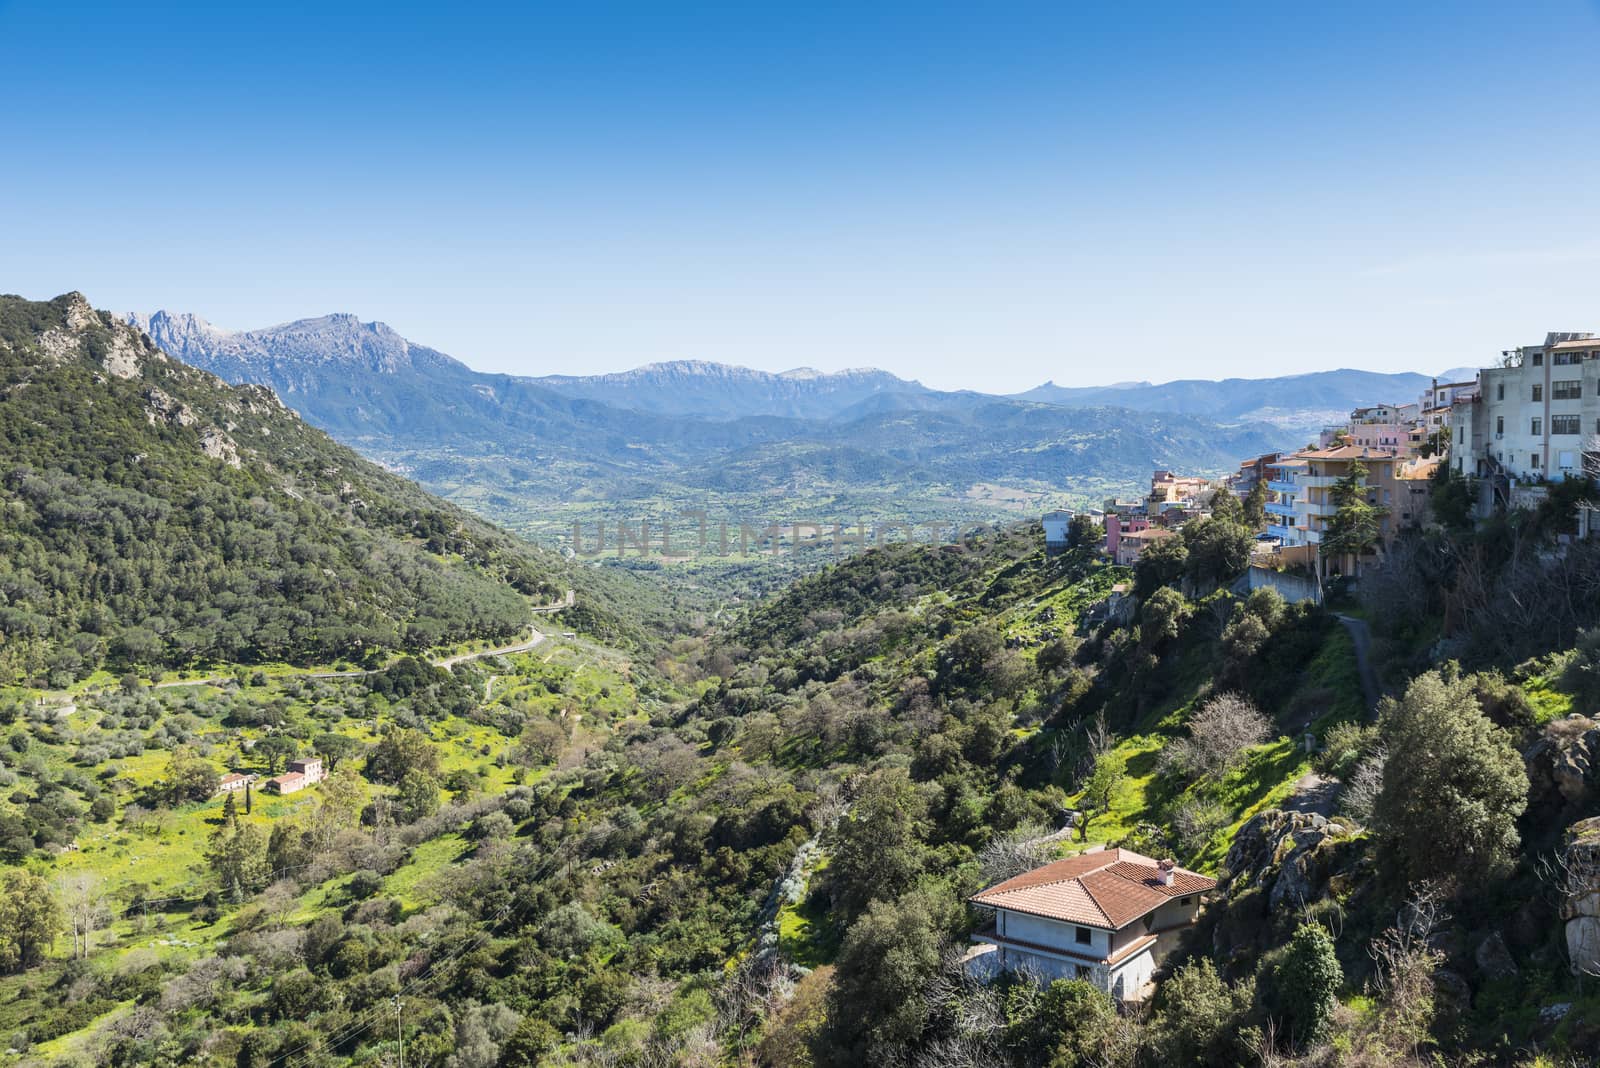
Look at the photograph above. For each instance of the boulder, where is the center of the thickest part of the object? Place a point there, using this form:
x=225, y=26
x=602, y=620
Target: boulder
x=1452, y=990
x=1494, y=960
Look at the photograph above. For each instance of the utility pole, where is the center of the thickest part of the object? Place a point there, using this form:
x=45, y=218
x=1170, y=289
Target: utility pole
x=398, y=1034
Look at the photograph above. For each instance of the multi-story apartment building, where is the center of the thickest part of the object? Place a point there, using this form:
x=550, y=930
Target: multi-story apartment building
x=1251, y=472
x=1437, y=403
x=1534, y=417
x=1301, y=488
x=1397, y=427
x=1168, y=490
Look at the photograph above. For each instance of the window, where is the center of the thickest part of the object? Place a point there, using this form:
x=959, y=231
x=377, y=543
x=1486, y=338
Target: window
x=1084, y=972
x=1500, y=391
x=1568, y=460
x=1566, y=359
x=1499, y=425
x=1186, y=901
x=1533, y=461
x=1538, y=359
x=1565, y=424
x=1083, y=936
x=1538, y=393
x=1570, y=389
x=1538, y=427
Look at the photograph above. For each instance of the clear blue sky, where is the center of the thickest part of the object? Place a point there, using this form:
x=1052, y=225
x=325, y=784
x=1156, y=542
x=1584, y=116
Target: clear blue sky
x=974, y=194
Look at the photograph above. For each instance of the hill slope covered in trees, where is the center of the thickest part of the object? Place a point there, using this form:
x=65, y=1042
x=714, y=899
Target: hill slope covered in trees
x=156, y=517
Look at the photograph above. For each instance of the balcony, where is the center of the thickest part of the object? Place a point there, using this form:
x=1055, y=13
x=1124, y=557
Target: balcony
x=1284, y=532
x=1285, y=509
x=1282, y=487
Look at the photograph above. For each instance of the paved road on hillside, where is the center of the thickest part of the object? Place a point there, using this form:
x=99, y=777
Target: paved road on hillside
x=1361, y=638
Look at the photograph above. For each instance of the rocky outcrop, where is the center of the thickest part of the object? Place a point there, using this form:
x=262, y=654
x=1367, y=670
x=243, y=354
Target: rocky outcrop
x=1291, y=855
x=1581, y=906
x=1564, y=762
x=217, y=445
x=161, y=407
x=1279, y=862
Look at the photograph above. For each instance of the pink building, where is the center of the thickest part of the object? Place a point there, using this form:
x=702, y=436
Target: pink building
x=1133, y=544
x=1119, y=527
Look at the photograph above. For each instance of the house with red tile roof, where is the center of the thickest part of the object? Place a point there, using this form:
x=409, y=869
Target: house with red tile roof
x=1106, y=917
x=288, y=783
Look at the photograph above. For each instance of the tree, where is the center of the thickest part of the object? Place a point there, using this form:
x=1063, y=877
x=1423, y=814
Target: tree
x=334, y=748
x=1255, y=506
x=1309, y=978
x=1452, y=499
x=541, y=742
x=399, y=752
x=339, y=803
x=1100, y=791
x=1453, y=783
x=29, y=918
x=416, y=796
x=1161, y=564
x=879, y=1000
x=189, y=777
x=85, y=909
x=1406, y=960
x=1163, y=616
x=1226, y=507
x=237, y=853
x=1068, y=1023
x=877, y=851
x=1083, y=532
x=1353, y=528
x=1219, y=733
x=277, y=749
x=1218, y=550
x=1200, y=1018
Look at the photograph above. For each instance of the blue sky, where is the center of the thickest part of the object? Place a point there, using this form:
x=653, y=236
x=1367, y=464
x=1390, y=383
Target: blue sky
x=975, y=195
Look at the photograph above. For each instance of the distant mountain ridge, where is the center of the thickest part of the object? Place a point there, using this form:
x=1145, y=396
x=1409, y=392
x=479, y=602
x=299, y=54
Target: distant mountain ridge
x=539, y=451
x=1273, y=399
x=723, y=391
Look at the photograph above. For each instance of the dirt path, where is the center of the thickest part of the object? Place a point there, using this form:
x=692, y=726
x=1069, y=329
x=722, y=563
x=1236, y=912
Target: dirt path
x=1361, y=638
x=1313, y=793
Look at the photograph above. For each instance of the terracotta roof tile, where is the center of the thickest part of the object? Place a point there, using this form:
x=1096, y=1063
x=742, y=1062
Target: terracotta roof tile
x=1109, y=889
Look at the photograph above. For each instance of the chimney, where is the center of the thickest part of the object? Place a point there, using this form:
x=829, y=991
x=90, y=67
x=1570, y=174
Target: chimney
x=1165, y=869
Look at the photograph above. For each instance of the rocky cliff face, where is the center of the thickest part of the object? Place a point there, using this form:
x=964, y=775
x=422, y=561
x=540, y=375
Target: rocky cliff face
x=1279, y=863
x=1564, y=764
x=293, y=356
x=1581, y=908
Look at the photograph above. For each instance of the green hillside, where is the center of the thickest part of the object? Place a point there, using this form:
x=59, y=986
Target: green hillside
x=156, y=518
x=641, y=843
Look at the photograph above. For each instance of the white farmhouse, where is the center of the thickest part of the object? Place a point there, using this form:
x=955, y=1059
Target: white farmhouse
x=1105, y=917
x=1055, y=530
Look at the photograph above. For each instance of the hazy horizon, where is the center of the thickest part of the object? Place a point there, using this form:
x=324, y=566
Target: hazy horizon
x=601, y=371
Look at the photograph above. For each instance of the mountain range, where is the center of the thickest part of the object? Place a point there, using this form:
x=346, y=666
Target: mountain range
x=1296, y=401
x=536, y=452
